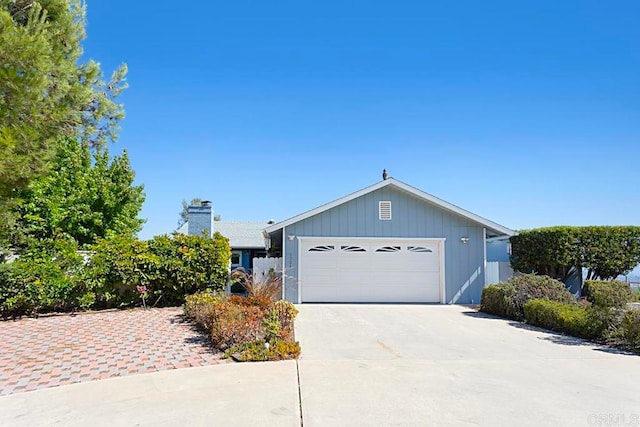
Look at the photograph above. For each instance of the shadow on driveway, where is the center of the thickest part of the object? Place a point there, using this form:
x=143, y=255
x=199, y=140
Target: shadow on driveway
x=551, y=336
x=199, y=336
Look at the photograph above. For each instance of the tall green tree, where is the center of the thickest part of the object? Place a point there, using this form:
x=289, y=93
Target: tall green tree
x=88, y=195
x=46, y=92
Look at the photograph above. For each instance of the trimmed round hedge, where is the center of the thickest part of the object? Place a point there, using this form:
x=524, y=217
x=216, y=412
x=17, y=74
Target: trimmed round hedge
x=507, y=299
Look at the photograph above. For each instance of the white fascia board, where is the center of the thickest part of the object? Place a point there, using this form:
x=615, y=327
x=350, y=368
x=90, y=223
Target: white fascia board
x=326, y=206
x=497, y=239
x=405, y=187
x=455, y=209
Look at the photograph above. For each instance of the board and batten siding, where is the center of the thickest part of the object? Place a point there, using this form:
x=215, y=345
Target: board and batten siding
x=411, y=217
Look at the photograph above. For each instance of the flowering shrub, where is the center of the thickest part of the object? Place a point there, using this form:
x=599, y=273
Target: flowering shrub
x=142, y=290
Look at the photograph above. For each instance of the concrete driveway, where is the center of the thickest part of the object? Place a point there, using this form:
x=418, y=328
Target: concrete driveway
x=369, y=365
x=448, y=365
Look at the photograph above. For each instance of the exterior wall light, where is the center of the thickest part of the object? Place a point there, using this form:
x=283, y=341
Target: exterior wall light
x=464, y=240
x=291, y=237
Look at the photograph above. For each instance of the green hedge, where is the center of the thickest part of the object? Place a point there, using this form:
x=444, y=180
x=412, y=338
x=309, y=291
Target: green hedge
x=46, y=277
x=508, y=299
x=499, y=300
x=571, y=319
x=608, y=293
x=169, y=267
x=605, y=251
x=52, y=276
x=630, y=329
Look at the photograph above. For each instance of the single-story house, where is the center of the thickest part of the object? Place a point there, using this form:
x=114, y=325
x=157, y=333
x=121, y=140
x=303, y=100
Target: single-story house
x=246, y=238
x=388, y=242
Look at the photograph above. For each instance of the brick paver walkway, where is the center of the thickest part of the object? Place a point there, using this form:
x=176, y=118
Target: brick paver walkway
x=66, y=349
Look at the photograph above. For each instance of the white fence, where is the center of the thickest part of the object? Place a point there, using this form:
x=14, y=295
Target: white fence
x=263, y=267
x=498, y=272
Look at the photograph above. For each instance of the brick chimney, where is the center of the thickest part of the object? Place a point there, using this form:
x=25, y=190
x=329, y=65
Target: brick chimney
x=201, y=219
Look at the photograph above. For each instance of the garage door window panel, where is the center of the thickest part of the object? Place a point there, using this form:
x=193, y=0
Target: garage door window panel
x=420, y=249
x=322, y=248
x=389, y=249
x=348, y=248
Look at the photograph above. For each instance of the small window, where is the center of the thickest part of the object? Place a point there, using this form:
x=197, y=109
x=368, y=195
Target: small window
x=418, y=249
x=236, y=258
x=388, y=249
x=322, y=248
x=353, y=249
x=384, y=210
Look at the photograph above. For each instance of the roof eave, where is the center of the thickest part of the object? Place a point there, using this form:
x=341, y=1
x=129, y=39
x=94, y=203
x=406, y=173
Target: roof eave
x=493, y=226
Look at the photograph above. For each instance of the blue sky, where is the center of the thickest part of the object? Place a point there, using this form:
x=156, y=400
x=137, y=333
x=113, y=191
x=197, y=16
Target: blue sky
x=527, y=113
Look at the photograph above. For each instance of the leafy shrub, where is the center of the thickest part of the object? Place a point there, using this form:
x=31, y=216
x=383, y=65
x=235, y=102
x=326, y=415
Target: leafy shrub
x=47, y=276
x=17, y=306
x=574, y=320
x=284, y=350
x=286, y=313
x=10, y=288
x=257, y=351
x=193, y=303
x=608, y=293
x=201, y=308
x=190, y=264
x=499, y=300
x=508, y=299
x=271, y=324
x=169, y=267
x=630, y=329
x=118, y=265
x=86, y=300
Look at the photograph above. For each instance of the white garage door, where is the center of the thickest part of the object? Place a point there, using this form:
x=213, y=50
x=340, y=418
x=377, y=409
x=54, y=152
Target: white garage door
x=370, y=270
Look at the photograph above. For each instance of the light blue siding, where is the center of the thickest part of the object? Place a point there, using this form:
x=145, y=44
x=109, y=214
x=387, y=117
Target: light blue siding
x=498, y=250
x=411, y=217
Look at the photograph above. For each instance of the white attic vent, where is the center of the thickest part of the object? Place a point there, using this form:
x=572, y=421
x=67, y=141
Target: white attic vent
x=384, y=210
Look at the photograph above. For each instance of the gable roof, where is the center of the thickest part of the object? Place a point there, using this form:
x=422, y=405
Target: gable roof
x=392, y=182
